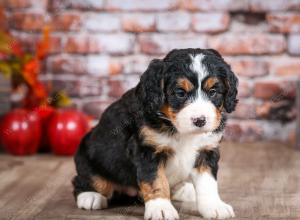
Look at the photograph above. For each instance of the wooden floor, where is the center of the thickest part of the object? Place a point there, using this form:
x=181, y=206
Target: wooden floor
x=261, y=181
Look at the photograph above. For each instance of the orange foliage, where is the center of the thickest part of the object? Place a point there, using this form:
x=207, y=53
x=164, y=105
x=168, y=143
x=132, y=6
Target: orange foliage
x=37, y=94
x=16, y=49
x=43, y=46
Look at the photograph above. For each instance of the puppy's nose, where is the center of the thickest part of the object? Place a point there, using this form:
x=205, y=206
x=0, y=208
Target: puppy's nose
x=199, y=122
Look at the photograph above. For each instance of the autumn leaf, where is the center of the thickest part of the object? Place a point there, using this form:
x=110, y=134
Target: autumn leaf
x=31, y=70
x=5, y=68
x=39, y=91
x=60, y=99
x=16, y=48
x=43, y=46
x=5, y=42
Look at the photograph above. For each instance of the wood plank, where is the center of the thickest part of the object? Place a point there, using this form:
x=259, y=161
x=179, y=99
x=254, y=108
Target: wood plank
x=261, y=181
x=298, y=117
x=22, y=191
x=37, y=202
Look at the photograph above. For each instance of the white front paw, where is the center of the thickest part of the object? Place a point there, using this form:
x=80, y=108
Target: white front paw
x=215, y=208
x=91, y=200
x=160, y=209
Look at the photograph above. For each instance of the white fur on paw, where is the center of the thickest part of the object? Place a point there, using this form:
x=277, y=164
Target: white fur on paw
x=91, y=201
x=186, y=193
x=160, y=209
x=215, y=208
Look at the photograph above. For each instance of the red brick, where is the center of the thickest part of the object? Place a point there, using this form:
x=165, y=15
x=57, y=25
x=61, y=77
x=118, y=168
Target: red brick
x=163, y=43
x=139, y=23
x=248, y=23
x=71, y=87
x=285, y=66
x=231, y=44
x=102, y=22
x=215, y=5
x=137, y=5
x=292, y=137
x=117, y=43
x=274, y=5
x=267, y=90
x=20, y=4
x=16, y=4
x=66, y=22
x=82, y=44
x=91, y=86
x=103, y=66
x=251, y=131
x=277, y=131
x=67, y=64
x=115, y=68
x=244, y=89
x=210, y=22
x=244, y=131
x=244, y=110
x=233, y=132
x=248, y=67
x=55, y=5
x=79, y=86
x=28, y=21
x=274, y=90
x=29, y=42
x=281, y=110
x=173, y=21
x=135, y=63
x=284, y=22
x=116, y=88
x=55, y=44
x=110, y=43
x=96, y=108
x=294, y=44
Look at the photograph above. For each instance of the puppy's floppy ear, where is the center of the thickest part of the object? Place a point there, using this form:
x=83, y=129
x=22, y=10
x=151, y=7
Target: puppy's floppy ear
x=231, y=82
x=150, y=88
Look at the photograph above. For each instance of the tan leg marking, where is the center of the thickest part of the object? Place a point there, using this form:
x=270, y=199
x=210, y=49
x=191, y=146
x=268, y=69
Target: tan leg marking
x=103, y=186
x=159, y=188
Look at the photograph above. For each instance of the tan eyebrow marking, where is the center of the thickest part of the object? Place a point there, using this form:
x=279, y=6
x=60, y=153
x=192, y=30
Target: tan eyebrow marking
x=185, y=84
x=210, y=82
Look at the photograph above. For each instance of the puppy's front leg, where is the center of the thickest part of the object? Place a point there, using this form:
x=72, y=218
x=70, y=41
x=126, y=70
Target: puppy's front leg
x=156, y=195
x=204, y=177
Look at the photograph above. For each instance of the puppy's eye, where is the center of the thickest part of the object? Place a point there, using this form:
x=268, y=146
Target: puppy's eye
x=180, y=93
x=212, y=92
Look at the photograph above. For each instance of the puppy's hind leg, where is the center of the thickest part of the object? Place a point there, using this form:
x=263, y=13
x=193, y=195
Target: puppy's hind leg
x=92, y=193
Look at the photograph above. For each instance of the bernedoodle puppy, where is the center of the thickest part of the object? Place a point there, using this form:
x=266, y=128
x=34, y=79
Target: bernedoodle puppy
x=159, y=141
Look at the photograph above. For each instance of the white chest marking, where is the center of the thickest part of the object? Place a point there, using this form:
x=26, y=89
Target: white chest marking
x=186, y=147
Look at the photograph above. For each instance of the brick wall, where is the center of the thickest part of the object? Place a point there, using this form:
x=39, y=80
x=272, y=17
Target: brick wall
x=100, y=48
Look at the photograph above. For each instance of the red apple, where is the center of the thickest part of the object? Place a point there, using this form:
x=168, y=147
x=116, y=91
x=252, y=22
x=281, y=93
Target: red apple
x=65, y=131
x=45, y=113
x=21, y=132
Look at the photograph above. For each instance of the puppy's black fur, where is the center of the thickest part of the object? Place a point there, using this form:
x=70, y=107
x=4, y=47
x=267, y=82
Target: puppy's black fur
x=115, y=150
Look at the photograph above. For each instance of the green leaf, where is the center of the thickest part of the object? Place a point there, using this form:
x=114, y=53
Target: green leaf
x=5, y=68
x=60, y=99
x=5, y=41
